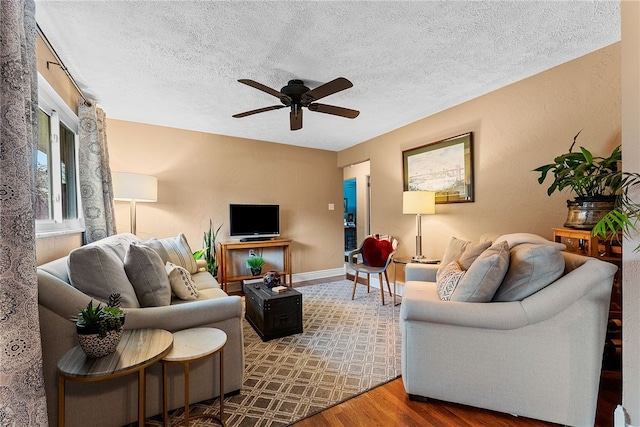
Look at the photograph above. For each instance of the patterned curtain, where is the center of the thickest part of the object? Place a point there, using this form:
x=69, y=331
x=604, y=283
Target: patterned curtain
x=22, y=396
x=96, y=188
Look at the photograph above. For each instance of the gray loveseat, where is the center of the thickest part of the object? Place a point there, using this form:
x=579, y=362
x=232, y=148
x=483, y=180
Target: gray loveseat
x=114, y=402
x=537, y=356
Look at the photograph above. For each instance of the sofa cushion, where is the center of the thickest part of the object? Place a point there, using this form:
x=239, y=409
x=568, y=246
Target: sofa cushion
x=375, y=251
x=147, y=274
x=471, y=252
x=484, y=276
x=531, y=268
x=449, y=279
x=463, y=251
x=515, y=239
x=98, y=271
x=181, y=283
x=454, y=250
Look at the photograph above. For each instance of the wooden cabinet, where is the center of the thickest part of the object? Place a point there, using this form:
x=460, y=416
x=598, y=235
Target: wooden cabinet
x=227, y=250
x=583, y=243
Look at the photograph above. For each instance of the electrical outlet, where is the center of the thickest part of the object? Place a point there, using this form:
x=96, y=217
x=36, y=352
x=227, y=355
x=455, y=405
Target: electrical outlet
x=252, y=252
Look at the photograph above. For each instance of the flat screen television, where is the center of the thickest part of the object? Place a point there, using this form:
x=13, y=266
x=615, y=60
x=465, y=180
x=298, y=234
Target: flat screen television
x=254, y=222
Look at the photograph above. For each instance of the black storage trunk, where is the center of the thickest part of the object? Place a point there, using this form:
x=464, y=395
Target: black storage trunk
x=273, y=315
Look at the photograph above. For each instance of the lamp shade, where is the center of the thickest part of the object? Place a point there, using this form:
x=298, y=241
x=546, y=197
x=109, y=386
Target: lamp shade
x=419, y=202
x=133, y=186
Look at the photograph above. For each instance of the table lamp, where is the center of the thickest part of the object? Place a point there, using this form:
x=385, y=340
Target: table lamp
x=419, y=203
x=134, y=188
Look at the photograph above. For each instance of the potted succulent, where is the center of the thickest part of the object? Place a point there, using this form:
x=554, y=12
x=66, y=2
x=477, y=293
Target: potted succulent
x=99, y=327
x=601, y=200
x=255, y=263
x=208, y=251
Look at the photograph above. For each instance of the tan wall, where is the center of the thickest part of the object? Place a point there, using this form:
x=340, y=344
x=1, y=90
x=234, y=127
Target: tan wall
x=630, y=12
x=200, y=174
x=515, y=129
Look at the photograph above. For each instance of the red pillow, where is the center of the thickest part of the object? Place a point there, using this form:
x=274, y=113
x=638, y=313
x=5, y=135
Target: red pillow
x=375, y=251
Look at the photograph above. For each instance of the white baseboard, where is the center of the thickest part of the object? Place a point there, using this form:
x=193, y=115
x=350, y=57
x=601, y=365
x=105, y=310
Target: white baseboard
x=315, y=275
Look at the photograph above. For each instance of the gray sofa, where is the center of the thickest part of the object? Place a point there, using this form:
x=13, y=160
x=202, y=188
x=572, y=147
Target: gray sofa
x=114, y=402
x=538, y=357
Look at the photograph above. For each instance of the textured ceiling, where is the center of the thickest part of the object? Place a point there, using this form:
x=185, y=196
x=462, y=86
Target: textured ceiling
x=176, y=63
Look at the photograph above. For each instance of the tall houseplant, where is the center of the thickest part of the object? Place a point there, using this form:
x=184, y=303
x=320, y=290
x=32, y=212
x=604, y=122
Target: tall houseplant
x=208, y=251
x=595, y=179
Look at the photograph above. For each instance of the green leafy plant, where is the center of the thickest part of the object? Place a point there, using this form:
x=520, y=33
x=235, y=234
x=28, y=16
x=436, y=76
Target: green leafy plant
x=101, y=319
x=208, y=251
x=585, y=174
x=255, y=262
x=590, y=176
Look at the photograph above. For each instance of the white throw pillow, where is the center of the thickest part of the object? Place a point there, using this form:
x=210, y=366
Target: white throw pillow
x=449, y=279
x=531, y=268
x=485, y=275
x=147, y=274
x=453, y=252
x=181, y=282
x=179, y=252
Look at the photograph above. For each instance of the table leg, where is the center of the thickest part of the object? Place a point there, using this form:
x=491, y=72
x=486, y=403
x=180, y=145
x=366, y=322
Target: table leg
x=142, y=399
x=165, y=403
x=186, y=394
x=222, y=387
x=395, y=281
x=60, y=400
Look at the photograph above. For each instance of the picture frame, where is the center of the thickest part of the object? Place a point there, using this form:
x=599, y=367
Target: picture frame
x=445, y=167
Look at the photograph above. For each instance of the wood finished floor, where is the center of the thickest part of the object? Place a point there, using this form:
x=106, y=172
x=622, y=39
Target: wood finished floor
x=389, y=406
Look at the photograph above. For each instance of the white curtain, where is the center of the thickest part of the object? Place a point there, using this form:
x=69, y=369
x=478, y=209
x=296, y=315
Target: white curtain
x=96, y=188
x=22, y=396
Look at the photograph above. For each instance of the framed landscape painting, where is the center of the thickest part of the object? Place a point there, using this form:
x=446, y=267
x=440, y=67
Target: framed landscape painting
x=445, y=167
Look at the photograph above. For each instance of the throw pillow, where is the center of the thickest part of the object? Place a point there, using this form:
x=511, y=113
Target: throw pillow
x=531, y=268
x=156, y=245
x=471, y=252
x=180, y=253
x=98, y=271
x=449, y=279
x=375, y=251
x=454, y=250
x=483, y=278
x=147, y=274
x=181, y=282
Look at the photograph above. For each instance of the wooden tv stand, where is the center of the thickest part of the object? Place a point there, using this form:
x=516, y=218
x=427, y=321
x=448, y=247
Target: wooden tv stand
x=226, y=259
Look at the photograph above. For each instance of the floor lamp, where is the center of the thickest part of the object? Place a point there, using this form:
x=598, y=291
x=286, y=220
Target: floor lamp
x=419, y=203
x=134, y=188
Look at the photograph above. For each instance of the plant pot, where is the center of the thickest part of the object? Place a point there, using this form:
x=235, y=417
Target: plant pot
x=585, y=212
x=256, y=271
x=95, y=346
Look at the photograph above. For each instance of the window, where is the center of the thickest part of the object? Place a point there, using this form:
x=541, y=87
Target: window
x=57, y=205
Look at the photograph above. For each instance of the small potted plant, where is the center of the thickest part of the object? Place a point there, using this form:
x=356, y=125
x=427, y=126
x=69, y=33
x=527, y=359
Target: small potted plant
x=99, y=327
x=255, y=263
x=208, y=251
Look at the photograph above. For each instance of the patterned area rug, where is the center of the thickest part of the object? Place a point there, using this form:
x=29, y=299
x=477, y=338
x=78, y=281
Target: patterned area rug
x=347, y=347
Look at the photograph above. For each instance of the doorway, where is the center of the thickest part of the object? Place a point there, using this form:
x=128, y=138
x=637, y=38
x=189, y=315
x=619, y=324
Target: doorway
x=357, y=204
x=350, y=212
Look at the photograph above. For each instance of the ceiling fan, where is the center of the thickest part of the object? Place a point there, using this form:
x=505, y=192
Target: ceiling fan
x=296, y=95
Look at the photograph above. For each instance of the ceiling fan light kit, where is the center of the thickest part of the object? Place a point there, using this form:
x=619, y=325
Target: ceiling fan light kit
x=296, y=95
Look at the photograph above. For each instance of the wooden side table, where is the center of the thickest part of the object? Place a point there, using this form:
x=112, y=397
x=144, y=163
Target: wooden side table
x=138, y=349
x=227, y=249
x=190, y=345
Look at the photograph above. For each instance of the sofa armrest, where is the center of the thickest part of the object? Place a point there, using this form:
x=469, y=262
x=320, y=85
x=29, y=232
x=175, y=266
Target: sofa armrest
x=177, y=317
x=421, y=303
x=420, y=272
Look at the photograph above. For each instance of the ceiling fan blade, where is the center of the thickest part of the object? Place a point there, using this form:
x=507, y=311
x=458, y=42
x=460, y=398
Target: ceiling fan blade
x=326, y=89
x=336, y=111
x=284, y=98
x=295, y=117
x=259, y=110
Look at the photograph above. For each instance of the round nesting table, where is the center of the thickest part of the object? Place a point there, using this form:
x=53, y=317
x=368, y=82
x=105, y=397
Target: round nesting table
x=137, y=349
x=190, y=345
